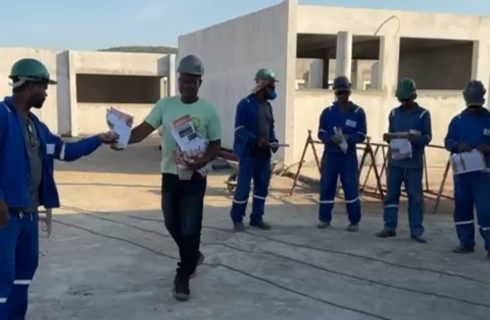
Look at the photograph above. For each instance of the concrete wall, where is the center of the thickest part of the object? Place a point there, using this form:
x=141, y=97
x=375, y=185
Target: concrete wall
x=120, y=63
x=391, y=25
x=118, y=89
x=233, y=51
x=62, y=112
x=447, y=68
x=89, y=118
x=8, y=56
x=309, y=73
x=443, y=105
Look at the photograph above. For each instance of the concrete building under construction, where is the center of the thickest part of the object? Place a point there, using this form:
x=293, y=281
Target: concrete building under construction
x=308, y=45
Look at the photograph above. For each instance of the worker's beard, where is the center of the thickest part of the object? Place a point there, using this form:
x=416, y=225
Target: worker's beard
x=38, y=103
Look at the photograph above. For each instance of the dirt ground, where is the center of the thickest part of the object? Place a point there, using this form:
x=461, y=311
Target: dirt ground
x=110, y=256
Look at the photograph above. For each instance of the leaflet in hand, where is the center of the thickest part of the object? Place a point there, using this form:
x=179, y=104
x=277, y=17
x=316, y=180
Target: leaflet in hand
x=468, y=162
x=190, y=144
x=186, y=137
x=343, y=145
x=121, y=124
x=400, y=149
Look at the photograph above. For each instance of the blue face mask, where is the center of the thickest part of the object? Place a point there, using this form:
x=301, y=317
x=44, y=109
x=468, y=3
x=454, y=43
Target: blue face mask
x=271, y=94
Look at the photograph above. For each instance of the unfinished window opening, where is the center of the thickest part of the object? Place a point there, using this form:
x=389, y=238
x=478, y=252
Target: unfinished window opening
x=117, y=89
x=315, y=53
x=316, y=61
x=365, y=62
x=436, y=64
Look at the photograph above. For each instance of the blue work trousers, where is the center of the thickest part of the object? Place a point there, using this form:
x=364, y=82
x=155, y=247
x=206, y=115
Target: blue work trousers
x=472, y=190
x=19, y=257
x=412, y=179
x=345, y=166
x=258, y=170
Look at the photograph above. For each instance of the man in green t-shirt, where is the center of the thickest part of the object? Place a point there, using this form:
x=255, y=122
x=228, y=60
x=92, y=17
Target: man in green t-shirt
x=184, y=116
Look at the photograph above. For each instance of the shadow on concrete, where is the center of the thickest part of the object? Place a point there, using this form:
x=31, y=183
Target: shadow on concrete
x=143, y=158
x=130, y=255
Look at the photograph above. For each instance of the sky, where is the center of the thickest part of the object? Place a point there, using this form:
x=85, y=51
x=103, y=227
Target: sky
x=98, y=24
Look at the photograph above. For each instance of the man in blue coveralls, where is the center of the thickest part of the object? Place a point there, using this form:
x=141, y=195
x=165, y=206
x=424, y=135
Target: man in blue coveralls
x=342, y=126
x=255, y=139
x=27, y=150
x=467, y=131
x=412, y=122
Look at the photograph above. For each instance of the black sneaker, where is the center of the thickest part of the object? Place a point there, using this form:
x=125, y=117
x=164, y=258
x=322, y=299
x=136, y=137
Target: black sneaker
x=419, y=239
x=353, y=227
x=260, y=224
x=200, y=261
x=323, y=225
x=463, y=250
x=385, y=233
x=238, y=227
x=181, y=286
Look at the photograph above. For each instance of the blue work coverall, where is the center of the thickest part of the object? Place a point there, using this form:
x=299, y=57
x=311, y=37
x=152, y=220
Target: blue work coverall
x=19, y=241
x=335, y=162
x=472, y=189
x=251, y=165
x=409, y=171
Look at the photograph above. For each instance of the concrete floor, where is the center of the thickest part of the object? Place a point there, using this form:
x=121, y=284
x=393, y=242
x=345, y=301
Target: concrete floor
x=110, y=257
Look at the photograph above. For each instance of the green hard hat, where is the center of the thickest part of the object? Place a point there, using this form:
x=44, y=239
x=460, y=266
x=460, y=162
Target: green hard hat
x=266, y=74
x=191, y=64
x=474, y=93
x=31, y=70
x=406, y=89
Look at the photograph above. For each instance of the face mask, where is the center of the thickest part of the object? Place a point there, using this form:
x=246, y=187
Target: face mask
x=271, y=94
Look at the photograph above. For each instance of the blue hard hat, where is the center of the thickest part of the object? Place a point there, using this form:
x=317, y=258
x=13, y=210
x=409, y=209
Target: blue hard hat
x=474, y=93
x=341, y=83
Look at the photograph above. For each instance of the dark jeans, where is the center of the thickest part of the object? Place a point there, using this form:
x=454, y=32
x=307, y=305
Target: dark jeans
x=182, y=205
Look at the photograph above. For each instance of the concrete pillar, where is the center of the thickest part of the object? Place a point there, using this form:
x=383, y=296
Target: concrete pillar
x=286, y=131
x=63, y=93
x=172, y=75
x=72, y=85
x=315, y=74
x=480, y=67
x=358, y=68
x=344, y=54
x=375, y=81
x=387, y=78
x=326, y=72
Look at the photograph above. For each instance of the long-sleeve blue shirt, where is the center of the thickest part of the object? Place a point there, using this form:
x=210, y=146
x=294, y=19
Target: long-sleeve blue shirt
x=416, y=121
x=15, y=170
x=353, y=125
x=247, y=120
x=472, y=129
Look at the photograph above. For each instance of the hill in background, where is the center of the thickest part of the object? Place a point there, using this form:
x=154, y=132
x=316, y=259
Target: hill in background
x=143, y=49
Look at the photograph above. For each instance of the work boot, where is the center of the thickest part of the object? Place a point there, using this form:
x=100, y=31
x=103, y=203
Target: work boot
x=238, y=227
x=385, y=233
x=260, y=224
x=353, y=227
x=200, y=261
x=419, y=239
x=463, y=250
x=181, y=286
x=323, y=225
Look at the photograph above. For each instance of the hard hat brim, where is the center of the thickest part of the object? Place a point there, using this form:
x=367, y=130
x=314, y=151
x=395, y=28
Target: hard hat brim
x=197, y=74
x=269, y=79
